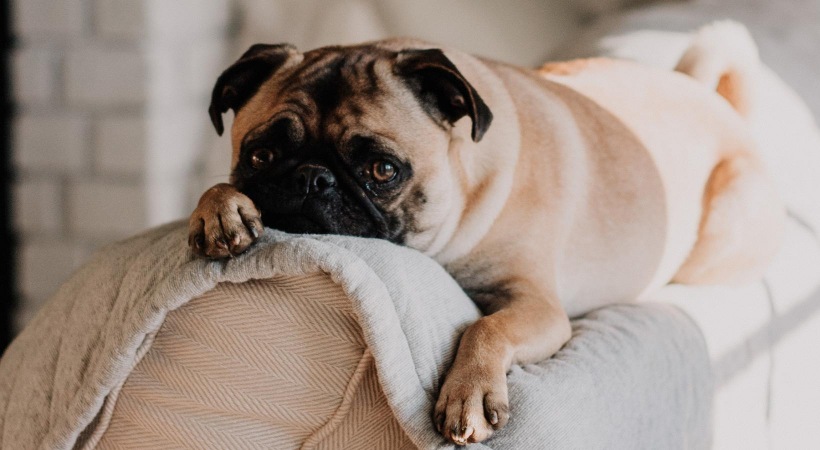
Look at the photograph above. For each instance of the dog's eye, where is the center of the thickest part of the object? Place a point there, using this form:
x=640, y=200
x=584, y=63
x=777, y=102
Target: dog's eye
x=261, y=158
x=383, y=171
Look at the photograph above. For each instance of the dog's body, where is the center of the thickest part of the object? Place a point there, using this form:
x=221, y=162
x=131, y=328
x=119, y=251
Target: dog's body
x=598, y=181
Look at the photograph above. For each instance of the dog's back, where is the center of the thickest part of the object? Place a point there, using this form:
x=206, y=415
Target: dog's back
x=690, y=133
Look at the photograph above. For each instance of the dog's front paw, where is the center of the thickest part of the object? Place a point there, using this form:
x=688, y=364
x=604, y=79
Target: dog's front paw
x=472, y=404
x=224, y=224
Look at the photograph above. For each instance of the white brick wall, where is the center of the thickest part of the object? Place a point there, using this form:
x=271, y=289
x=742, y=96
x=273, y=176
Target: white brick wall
x=105, y=77
x=45, y=263
x=42, y=265
x=187, y=20
x=119, y=144
x=121, y=18
x=99, y=209
x=48, y=19
x=50, y=143
x=34, y=76
x=207, y=54
x=111, y=100
x=38, y=205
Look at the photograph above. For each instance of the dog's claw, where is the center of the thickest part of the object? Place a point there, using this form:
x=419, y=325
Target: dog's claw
x=466, y=432
x=472, y=410
x=255, y=230
x=493, y=419
x=454, y=429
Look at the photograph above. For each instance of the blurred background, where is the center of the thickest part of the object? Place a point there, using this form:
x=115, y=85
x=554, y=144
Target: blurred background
x=105, y=130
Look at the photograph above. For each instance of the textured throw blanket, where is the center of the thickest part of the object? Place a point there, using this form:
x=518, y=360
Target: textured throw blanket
x=632, y=376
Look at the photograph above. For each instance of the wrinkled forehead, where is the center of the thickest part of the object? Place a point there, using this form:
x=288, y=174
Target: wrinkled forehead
x=331, y=77
x=332, y=91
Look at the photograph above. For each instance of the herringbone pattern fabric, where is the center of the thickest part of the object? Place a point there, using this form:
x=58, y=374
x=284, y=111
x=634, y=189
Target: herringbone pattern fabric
x=369, y=424
x=263, y=364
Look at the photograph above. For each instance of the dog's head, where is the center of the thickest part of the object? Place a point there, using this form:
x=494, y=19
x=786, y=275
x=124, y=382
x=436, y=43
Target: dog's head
x=347, y=140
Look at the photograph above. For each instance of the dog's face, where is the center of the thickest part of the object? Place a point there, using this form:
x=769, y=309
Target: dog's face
x=348, y=140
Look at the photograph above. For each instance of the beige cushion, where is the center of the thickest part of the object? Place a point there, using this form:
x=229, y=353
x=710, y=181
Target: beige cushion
x=267, y=364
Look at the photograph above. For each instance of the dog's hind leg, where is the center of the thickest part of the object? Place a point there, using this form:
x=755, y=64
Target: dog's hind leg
x=741, y=226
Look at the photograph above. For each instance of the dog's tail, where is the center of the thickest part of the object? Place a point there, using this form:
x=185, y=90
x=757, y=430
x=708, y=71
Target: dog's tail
x=723, y=56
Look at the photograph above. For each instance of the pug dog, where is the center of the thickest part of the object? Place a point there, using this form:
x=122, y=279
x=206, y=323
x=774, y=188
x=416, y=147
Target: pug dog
x=545, y=193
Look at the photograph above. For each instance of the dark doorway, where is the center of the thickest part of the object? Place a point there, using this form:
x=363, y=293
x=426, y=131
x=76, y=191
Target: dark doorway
x=7, y=241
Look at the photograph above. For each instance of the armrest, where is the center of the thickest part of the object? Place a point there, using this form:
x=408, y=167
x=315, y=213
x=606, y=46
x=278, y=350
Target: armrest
x=326, y=341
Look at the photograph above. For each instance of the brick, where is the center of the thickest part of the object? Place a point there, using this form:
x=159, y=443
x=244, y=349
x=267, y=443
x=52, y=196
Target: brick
x=43, y=18
x=182, y=20
x=168, y=199
x=204, y=62
x=120, y=18
x=176, y=136
x=168, y=84
x=34, y=75
x=45, y=263
x=120, y=145
x=50, y=143
x=106, y=77
x=38, y=206
x=106, y=209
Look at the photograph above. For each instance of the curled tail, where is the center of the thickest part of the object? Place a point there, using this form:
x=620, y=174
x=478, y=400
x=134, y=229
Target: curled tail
x=723, y=56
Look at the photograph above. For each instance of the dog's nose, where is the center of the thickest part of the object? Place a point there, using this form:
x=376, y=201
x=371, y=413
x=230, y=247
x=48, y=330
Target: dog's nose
x=313, y=178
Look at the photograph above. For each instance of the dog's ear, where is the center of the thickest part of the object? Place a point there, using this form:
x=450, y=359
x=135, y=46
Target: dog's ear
x=440, y=86
x=240, y=82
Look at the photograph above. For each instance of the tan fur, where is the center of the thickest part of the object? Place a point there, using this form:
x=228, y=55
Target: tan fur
x=738, y=193
x=227, y=220
x=731, y=88
x=598, y=181
x=723, y=55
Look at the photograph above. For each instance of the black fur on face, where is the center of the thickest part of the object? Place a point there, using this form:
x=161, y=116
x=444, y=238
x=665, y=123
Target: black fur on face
x=306, y=184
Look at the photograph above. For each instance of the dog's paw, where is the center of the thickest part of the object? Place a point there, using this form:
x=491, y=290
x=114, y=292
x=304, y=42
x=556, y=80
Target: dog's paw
x=472, y=405
x=224, y=224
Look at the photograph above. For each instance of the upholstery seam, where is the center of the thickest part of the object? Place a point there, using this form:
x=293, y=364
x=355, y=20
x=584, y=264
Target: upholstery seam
x=341, y=412
x=334, y=272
